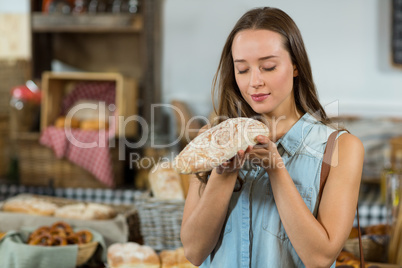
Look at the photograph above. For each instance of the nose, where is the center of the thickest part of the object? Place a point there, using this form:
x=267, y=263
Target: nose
x=255, y=79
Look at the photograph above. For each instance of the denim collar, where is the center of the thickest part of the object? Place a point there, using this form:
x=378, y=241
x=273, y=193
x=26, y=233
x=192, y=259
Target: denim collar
x=293, y=139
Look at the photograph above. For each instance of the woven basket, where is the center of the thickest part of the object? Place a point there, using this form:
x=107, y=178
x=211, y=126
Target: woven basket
x=373, y=249
x=85, y=252
x=160, y=222
x=38, y=166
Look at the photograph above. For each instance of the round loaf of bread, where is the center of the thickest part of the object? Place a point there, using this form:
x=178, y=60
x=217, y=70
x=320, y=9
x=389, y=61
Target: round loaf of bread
x=219, y=144
x=130, y=254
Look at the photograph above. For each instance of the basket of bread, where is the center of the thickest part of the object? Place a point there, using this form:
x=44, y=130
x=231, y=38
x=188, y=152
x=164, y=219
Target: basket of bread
x=55, y=245
x=61, y=234
x=116, y=223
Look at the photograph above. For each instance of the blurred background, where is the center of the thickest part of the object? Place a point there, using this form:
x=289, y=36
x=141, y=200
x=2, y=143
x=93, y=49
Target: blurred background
x=151, y=63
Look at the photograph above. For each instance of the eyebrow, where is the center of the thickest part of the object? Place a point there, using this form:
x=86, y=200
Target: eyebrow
x=260, y=59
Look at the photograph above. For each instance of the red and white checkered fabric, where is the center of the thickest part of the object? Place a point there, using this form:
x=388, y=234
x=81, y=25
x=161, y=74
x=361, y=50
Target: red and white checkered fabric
x=87, y=149
x=98, y=91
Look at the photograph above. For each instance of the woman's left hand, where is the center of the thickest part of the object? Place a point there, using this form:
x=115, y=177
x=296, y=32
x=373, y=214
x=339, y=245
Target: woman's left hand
x=265, y=154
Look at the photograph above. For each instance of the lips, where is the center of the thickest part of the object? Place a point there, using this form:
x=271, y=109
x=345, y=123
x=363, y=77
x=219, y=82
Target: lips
x=259, y=97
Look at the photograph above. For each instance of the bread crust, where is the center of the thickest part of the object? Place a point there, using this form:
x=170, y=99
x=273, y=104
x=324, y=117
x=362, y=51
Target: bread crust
x=32, y=205
x=130, y=254
x=219, y=144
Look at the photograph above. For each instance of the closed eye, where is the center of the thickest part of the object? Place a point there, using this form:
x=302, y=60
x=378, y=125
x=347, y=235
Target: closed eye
x=242, y=72
x=269, y=69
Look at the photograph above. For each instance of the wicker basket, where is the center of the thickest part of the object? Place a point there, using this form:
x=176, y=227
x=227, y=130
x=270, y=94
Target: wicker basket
x=38, y=166
x=374, y=247
x=160, y=222
x=85, y=252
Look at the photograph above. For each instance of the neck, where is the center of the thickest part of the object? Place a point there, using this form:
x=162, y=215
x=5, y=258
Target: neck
x=280, y=124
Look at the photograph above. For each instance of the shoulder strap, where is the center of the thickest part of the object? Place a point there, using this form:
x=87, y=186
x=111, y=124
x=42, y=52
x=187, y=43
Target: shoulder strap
x=326, y=162
x=325, y=167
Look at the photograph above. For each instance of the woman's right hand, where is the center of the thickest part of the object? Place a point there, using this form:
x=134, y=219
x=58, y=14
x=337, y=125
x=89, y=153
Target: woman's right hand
x=235, y=163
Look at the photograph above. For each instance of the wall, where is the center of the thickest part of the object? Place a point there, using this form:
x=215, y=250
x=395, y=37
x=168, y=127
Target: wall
x=15, y=39
x=348, y=43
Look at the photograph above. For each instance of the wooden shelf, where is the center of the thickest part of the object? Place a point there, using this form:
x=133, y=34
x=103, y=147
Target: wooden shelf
x=86, y=23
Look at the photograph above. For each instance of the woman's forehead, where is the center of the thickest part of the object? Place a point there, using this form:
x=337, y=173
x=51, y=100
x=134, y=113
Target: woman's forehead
x=261, y=43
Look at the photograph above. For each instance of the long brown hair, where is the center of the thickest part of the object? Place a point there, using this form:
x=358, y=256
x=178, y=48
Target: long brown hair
x=230, y=100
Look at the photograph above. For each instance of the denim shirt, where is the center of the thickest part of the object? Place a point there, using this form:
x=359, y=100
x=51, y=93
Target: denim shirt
x=253, y=235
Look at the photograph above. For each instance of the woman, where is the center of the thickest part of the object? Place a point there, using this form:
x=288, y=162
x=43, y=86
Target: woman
x=268, y=216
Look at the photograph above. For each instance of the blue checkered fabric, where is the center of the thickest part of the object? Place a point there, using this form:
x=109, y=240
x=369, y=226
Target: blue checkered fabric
x=106, y=196
x=371, y=210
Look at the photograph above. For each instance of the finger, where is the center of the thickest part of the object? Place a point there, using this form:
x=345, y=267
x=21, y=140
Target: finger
x=219, y=170
x=248, y=150
x=262, y=139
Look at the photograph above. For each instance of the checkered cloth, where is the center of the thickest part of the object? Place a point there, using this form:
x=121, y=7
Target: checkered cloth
x=98, y=91
x=87, y=149
x=105, y=196
x=371, y=210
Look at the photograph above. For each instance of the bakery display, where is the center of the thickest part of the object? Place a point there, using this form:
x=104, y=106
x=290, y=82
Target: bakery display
x=165, y=182
x=219, y=144
x=58, y=234
x=132, y=255
x=29, y=205
x=82, y=211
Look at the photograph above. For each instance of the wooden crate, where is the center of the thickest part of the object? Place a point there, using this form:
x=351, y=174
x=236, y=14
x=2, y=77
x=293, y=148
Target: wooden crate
x=38, y=166
x=12, y=73
x=54, y=88
x=4, y=146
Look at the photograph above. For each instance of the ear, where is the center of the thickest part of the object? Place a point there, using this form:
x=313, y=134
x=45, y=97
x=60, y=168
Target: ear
x=295, y=71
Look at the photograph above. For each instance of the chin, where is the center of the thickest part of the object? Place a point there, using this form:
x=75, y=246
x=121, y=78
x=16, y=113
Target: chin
x=261, y=110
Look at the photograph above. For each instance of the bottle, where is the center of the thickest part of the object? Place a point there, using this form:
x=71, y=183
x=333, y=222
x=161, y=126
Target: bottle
x=386, y=169
x=393, y=192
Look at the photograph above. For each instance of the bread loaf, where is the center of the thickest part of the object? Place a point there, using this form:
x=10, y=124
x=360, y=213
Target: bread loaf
x=132, y=255
x=175, y=259
x=219, y=144
x=30, y=205
x=90, y=211
x=165, y=182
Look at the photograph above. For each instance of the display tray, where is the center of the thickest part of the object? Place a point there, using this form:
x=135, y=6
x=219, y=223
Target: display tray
x=122, y=228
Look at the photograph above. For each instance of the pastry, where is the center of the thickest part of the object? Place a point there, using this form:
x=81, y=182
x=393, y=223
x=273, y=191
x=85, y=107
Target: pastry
x=59, y=234
x=132, y=255
x=62, y=122
x=219, y=144
x=93, y=124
